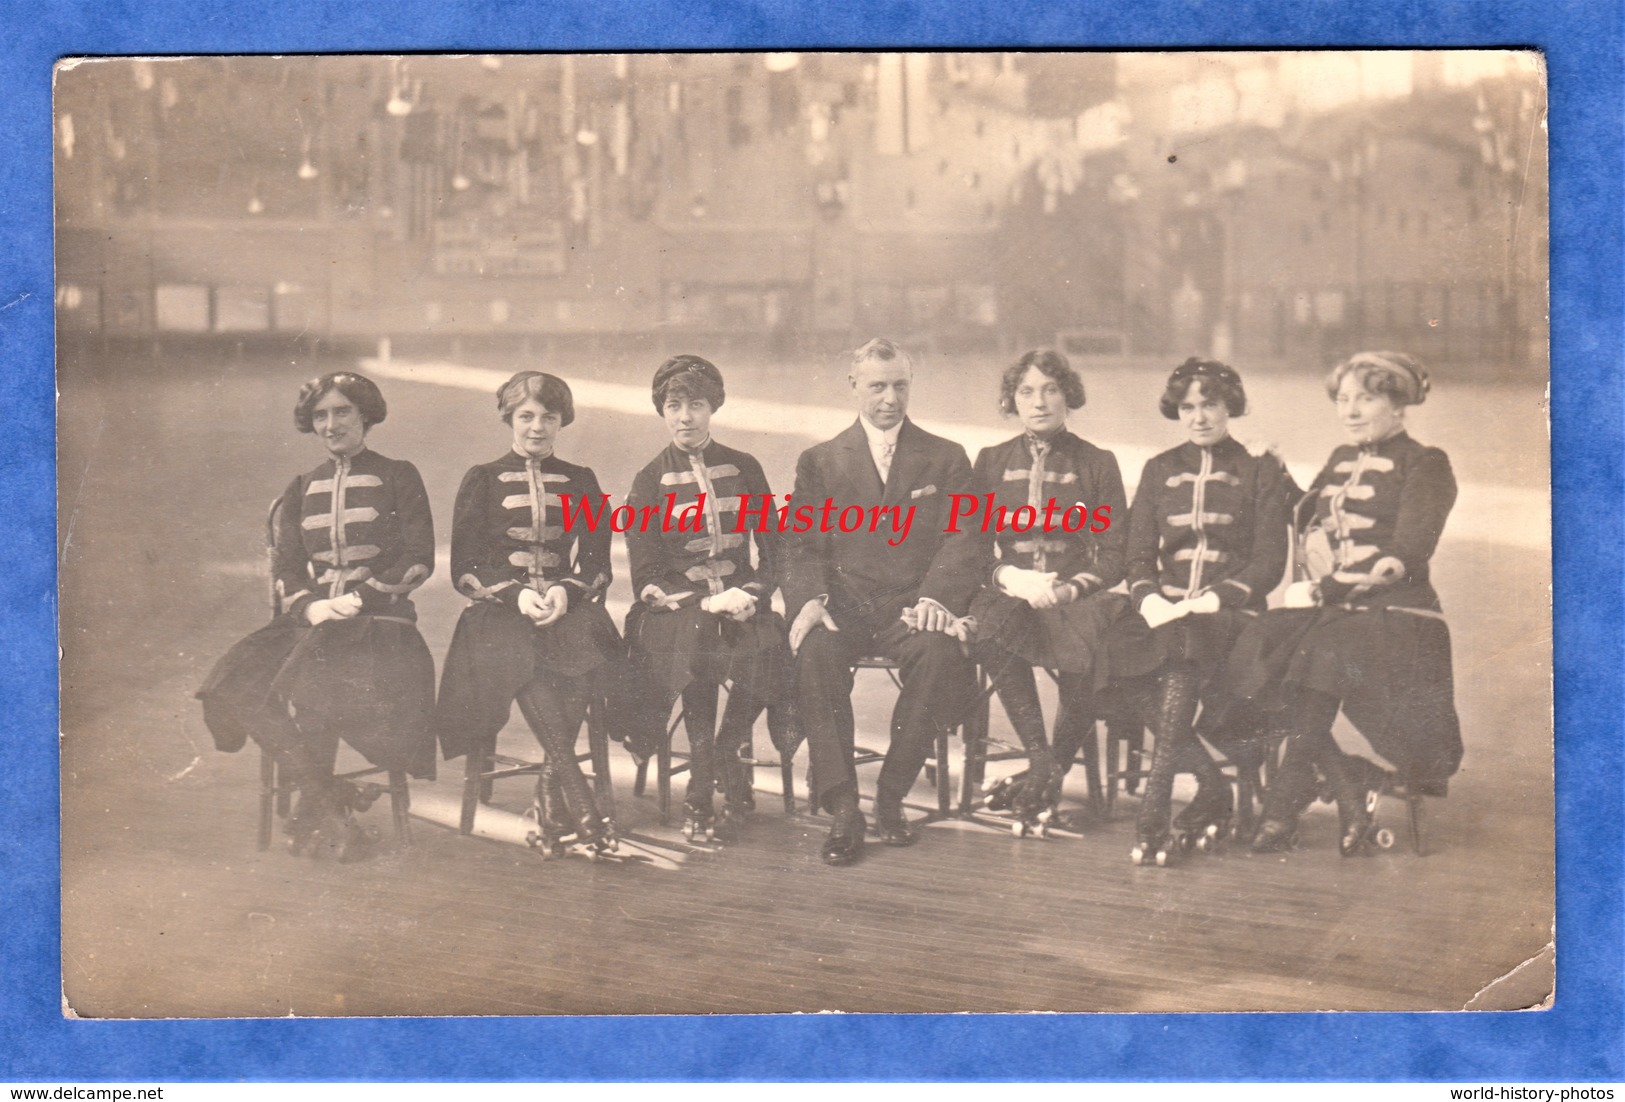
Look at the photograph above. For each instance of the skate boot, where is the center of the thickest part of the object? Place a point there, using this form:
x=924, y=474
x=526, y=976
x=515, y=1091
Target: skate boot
x=1035, y=802
x=1205, y=821
x=1357, y=819
x=554, y=825
x=595, y=836
x=1152, y=847
x=1275, y=836
x=307, y=816
x=1000, y=794
x=699, y=821
x=730, y=821
x=738, y=799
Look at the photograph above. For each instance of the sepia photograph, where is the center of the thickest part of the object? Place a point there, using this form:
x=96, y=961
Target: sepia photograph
x=776, y=533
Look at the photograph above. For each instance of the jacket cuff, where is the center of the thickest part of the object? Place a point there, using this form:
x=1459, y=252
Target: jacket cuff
x=1233, y=594
x=1086, y=583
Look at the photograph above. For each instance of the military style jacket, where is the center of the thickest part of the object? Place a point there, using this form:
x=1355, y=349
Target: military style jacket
x=672, y=562
x=508, y=530
x=1376, y=502
x=1067, y=469
x=356, y=524
x=1209, y=518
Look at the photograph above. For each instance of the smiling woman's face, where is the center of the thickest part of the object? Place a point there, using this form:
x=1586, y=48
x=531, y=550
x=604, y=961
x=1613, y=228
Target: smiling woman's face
x=337, y=422
x=535, y=428
x=1367, y=417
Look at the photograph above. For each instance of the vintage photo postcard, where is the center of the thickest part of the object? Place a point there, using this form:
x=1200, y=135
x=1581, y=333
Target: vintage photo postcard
x=765, y=533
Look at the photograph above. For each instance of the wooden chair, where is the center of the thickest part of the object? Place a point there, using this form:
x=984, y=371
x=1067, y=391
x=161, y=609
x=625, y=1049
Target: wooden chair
x=485, y=767
x=669, y=762
x=276, y=794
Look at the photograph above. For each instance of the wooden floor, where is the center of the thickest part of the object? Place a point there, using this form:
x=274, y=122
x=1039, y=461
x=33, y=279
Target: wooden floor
x=168, y=910
x=171, y=912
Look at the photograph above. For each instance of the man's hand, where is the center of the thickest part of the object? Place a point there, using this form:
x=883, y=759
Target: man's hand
x=338, y=608
x=927, y=615
x=812, y=615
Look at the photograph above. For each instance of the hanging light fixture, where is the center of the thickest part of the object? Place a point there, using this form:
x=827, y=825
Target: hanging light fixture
x=307, y=171
x=398, y=105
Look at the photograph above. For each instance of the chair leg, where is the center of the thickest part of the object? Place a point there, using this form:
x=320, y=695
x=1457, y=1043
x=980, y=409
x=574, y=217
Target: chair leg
x=267, y=798
x=474, y=784
x=970, y=780
x=400, y=806
x=663, y=778
x=787, y=780
x=1090, y=749
x=945, y=786
x=598, y=748
x=1419, y=841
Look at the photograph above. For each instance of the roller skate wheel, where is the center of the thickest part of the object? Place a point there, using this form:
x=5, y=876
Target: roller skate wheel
x=1162, y=858
x=710, y=834
x=1384, y=838
x=1137, y=855
x=688, y=832
x=1204, y=844
x=1372, y=797
x=1043, y=828
x=1018, y=829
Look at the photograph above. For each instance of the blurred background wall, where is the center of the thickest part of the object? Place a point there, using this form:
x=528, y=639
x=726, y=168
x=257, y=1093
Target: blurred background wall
x=1261, y=207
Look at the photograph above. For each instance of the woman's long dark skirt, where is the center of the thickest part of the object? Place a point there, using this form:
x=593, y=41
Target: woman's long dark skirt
x=367, y=680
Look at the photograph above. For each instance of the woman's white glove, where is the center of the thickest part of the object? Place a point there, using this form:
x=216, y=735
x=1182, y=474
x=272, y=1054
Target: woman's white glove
x=544, y=610
x=1206, y=604
x=1035, y=587
x=337, y=608
x=1158, y=610
x=734, y=603
x=1301, y=595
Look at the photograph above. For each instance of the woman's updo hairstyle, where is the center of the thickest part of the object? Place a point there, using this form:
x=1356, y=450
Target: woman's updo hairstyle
x=686, y=377
x=368, y=399
x=1395, y=374
x=551, y=391
x=1052, y=365
x=1217, y=380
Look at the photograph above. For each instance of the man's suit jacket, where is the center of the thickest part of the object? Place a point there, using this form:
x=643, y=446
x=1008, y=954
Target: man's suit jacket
x=861, y=573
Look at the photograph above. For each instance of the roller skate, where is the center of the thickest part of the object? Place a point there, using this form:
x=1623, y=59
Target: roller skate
x=1035, y=802
x=730, y=821
x=1153, y=848
x=699, y=821
x=1206, y=820
x=738, y=798
x=554, y=826
x=1361, y=836
x=1275, y=836
x=596, y=836
x=999, y=794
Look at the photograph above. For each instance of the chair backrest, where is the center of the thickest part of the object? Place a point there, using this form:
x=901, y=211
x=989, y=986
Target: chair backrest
x=272, y=516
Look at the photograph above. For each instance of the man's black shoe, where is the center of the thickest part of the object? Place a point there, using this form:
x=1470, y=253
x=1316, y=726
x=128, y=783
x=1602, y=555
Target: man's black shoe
x=893, y=828
x=845, y=842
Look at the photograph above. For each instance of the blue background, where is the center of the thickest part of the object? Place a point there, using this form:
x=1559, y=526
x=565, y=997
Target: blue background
x=1581, y=1039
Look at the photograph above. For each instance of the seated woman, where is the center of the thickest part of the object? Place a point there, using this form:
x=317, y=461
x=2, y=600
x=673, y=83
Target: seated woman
x=1046, y=602
x=1364, y=631
x=1207, y=543
x=536, y=631
x=342, y=659
x=702, y=615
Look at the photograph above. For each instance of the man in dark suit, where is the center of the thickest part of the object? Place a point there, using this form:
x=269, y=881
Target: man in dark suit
x=856, y=594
